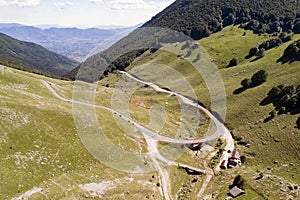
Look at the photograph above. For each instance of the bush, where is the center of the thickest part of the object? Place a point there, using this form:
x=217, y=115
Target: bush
x=259, y=77
x=298, y=123
x=261, y=53
x=239, y=181
x=272, y=113
x=274, y=92
x=233, y=62
x=296, y=28
x=246, y=83
x=243, y=159
x=253, y=51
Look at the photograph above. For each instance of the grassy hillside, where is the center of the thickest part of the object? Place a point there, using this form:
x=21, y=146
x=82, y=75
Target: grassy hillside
x=40, y=147
x=195, y=19
x=40, y=143
x=34, y=56
x=269, y=142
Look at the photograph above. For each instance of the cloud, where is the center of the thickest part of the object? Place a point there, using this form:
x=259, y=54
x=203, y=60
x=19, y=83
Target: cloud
x=95, y=1
x=20, y=3
x=63, y=5
x=132, y=4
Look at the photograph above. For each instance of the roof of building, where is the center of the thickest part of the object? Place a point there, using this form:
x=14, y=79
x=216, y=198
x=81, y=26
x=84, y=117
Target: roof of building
x=235, y=154
x=235, y=191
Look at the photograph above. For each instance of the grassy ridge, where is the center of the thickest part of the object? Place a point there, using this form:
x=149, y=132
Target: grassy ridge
x=275, y=140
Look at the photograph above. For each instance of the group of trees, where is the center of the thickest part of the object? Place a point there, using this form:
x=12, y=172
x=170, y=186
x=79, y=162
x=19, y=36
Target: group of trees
x=199, y=19
x=270, y=44
x=291, y=53
x=284, y=98
x=256, y=79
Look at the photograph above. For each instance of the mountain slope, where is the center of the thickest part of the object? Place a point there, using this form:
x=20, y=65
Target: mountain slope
x=34, y=56
x=271, y=146
x=200, y=18
x=74, y=43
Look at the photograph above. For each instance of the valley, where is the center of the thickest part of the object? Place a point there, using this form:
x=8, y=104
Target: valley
x=200, y=102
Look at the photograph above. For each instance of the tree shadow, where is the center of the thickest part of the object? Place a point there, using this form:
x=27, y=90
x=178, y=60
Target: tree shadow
x=268, y=119
x=266, y=101
x=284, y=59
x=255, y=59
x=239, y=90
x=295, y=111
x=248, y=57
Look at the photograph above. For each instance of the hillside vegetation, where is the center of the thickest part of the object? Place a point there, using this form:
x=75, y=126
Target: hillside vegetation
x=41, y=149
x=257, y=136
x=200, y=18
x=33, y=56
x=196, y=19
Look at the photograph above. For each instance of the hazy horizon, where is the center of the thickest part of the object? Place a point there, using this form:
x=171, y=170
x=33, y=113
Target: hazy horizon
x=80, y=13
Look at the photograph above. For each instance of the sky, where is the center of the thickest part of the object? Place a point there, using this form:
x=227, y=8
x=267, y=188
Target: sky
x=80, y=13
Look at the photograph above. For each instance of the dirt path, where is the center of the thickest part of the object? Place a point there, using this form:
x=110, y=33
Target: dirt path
x=154, y=137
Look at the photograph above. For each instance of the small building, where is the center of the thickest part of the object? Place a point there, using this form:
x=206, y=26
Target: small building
x=236, y=191
x=234, y=160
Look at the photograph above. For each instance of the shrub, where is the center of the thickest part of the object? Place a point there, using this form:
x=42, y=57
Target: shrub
x=298, y=123
x=274, y=92
x=259, y=77
x=246, y=83
x=261, y=53
x=239, y=181
x=253, y=51
x=233, y=62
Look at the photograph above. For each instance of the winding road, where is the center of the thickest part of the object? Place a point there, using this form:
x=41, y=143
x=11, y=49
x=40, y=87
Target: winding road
x=154, y=137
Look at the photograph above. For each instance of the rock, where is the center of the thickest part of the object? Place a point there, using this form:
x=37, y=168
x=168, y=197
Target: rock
x=283, y=190
x=296, y=187
x=281, y=182
x=290, y=187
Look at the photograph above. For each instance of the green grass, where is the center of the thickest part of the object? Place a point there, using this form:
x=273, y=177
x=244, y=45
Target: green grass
x=231, y=43
x=40, y=146
x=39, y=143
x=277, y=139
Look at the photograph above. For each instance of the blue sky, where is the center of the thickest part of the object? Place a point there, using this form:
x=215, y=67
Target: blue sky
x=82, y=13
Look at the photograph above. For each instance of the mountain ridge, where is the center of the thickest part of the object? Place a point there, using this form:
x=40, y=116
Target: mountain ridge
x=73, y=42
x=34, y=56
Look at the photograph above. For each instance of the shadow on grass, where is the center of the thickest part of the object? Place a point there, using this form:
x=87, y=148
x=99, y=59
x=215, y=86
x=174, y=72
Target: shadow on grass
x=239, y=90
x=266, y=101
x=269, y=118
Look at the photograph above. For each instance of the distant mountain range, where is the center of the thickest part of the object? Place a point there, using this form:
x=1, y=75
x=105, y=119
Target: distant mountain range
x=74, y=43
x=32, y=57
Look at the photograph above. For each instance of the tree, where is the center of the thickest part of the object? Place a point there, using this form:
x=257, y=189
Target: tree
x=261, y=53
x=233, y=62
x=274, y=92
x=253, y=51
x=298, y=123
x=239, y=181
x=259, y=77
x=296, y=28
x=272, y=113
x=246, y=83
